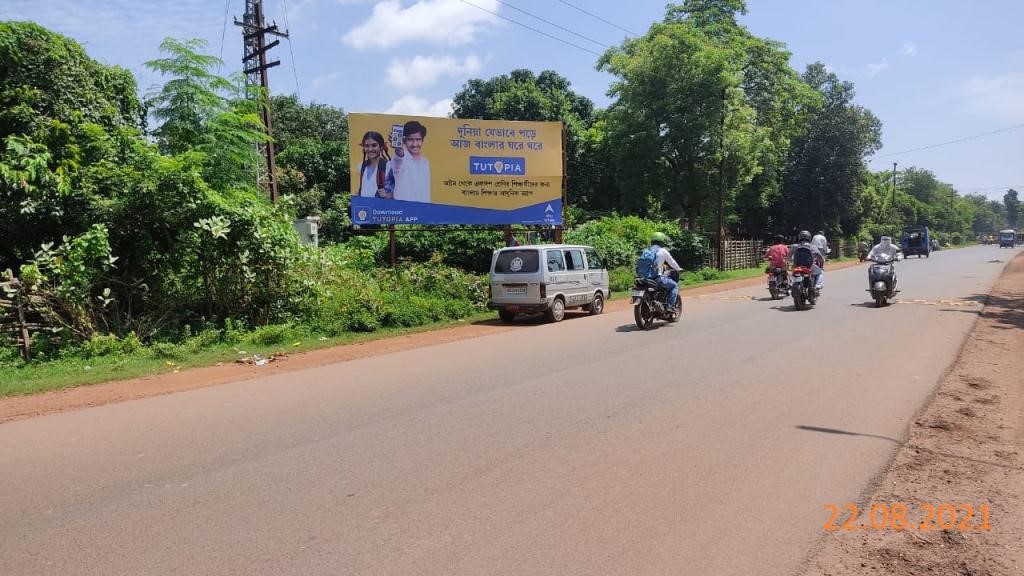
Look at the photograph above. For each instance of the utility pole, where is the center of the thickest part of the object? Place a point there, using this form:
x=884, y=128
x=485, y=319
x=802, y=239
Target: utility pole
x=254, y=31
x=720, y=249
x=893, y=209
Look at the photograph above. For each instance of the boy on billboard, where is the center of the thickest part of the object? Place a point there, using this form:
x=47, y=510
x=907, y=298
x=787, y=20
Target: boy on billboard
x=412, y=171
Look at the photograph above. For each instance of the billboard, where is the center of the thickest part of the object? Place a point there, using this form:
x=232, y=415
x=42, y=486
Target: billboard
x=423, y=170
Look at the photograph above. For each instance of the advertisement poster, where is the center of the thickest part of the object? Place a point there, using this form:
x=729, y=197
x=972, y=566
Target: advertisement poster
x=423, y=170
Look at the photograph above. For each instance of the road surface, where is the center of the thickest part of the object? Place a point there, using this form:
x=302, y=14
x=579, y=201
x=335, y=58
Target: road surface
x=706, y=447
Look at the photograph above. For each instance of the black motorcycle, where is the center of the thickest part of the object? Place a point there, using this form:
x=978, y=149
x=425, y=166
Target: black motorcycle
x=882, y=280
x=778, y=282
x=650, y=302
x=803, y=291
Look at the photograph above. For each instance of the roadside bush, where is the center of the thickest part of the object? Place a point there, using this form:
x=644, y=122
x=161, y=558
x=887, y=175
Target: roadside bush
x=109, y=344
x=619, y=239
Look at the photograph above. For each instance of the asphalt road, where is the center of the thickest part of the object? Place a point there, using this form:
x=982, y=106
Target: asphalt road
x=706, y=447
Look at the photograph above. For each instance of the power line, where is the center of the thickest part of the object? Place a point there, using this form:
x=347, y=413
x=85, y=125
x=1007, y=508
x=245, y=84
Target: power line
x=550, y=23
x=541, y=32
x=224, y=31
x=592, y=15
x=957, y=141
x=287, y=28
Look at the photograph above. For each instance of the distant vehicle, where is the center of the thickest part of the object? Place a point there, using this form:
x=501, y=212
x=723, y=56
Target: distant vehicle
x=548, y=278
x=1007, y=238
x=915, y=240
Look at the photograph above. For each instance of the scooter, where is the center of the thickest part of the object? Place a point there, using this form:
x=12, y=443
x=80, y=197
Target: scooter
x=650, y=302
x=882, y=280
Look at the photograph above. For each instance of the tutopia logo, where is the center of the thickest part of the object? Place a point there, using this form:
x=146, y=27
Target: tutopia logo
x=497, y=166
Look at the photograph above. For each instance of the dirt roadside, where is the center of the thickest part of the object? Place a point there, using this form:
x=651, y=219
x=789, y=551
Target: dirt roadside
x=965, y=447
x=20, y=407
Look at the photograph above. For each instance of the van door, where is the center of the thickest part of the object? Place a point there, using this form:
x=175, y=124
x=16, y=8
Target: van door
x=578, y=293
x=597, y=274
x=557, y=277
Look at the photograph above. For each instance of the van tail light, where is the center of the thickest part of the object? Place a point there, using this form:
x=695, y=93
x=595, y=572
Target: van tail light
x=543, y=290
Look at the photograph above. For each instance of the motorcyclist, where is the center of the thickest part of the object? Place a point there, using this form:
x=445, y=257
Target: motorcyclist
x=817, y=258
x=884, y=249
x=862, y=250
x=662, y=257
x=777, y=254
x=821, y=243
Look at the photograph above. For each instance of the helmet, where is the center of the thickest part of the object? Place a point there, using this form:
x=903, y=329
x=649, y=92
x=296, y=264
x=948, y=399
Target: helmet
x=660, y=238
x=820, y=233
x=804, y=236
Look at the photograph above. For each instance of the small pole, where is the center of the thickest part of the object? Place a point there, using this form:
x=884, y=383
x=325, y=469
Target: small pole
x=565, y=184
x=391, y=245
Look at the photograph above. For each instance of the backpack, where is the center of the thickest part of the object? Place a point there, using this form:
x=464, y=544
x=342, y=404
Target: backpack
x=802, y=256
x=382, y=166
x=645, y=263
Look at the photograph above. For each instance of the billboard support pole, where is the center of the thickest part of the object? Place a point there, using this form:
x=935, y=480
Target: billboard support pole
x=391, y=245
x=565, y=180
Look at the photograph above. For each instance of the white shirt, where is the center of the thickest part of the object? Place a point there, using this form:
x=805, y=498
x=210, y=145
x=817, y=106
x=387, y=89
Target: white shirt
x=412, y=178
x=884, y=248
x=821, y=243
x=368, y=184
x=663, y=258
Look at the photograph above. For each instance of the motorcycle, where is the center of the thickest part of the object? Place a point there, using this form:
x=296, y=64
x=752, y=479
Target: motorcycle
x=882, y=280
x=650, y=302
x=862, y=254
x=802, y=288
x=778, y=282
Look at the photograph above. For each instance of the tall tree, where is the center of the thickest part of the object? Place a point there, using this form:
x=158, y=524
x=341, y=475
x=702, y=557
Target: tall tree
x=822, y=187
x=202, y=112
x=701, y=104
x=1012, y=204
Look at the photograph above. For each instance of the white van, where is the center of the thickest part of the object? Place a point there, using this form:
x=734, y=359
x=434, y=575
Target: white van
x=547, y=278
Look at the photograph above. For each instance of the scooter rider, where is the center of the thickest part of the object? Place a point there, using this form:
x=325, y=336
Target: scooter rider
x=817, y=258
x=885, y=248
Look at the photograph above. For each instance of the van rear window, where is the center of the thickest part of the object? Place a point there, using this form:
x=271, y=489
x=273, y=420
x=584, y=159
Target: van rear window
x=517, y=262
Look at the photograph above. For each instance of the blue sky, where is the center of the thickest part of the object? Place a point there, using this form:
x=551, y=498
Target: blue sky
x=932, y=70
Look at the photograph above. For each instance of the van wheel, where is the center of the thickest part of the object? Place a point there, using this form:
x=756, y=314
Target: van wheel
x=597, y=306
x=557, y=311
x=506, y=316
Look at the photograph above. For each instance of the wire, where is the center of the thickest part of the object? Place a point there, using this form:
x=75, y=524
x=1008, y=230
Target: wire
x=541, y=32
x=562, y=28
x=592, y=15
x=957, y=141
x=223, y=33
x=288, y=30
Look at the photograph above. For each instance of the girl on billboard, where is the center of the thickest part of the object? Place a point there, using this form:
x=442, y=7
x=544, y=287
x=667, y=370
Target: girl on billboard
x=375, y=177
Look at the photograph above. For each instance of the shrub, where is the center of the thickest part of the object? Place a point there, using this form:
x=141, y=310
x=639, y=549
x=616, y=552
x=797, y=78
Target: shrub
x=619, y=239
x=109, y=344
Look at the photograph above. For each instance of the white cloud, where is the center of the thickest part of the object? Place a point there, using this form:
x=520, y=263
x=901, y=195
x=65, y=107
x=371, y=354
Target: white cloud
x=347, y=2
x=909, y=48
x=423, y=71
x=319, y=81
x=416, y=106
x=999, y=97
x=874, y=68
x=447, y=22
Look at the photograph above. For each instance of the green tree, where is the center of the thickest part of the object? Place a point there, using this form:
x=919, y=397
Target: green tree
x=700, y=100
x=313, y=159
x=59, y=110
x=201, y=111
x=824, y=179
x=1012, y=204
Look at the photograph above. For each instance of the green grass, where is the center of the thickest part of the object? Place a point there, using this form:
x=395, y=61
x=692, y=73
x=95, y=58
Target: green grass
x=18, y=378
